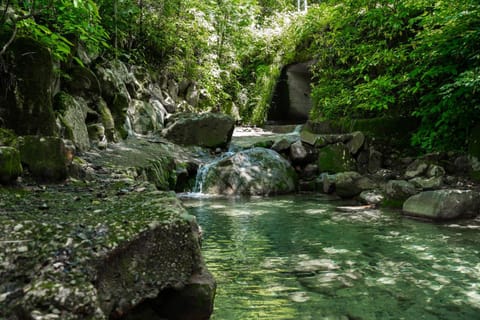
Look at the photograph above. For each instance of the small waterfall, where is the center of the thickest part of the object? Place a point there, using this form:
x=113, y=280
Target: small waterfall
x=203, y=170
x=128, y=127
x=297, y=129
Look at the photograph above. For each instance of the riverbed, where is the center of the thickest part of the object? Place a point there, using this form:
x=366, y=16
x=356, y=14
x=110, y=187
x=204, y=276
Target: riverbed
x=299, y=257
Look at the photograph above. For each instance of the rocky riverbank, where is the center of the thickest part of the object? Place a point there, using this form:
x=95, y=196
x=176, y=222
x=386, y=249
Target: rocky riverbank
x=109, y=246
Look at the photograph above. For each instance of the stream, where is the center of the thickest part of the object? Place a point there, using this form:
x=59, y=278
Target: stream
x=298, y=257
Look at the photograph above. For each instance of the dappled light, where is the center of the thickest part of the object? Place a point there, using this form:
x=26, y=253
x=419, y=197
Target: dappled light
x=301, y=254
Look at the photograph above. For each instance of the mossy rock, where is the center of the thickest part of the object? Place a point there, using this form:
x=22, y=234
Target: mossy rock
x=335, y=158
x=394, y=130
x=209, y=130
x=28, y=102
x=45, y=157
x=10, y=166
x=162, y=173
x=73, y=114
x=256, y=171
x=86, y=257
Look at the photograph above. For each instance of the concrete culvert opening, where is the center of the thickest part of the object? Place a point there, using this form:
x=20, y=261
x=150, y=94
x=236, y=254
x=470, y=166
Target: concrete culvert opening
x=291, y=101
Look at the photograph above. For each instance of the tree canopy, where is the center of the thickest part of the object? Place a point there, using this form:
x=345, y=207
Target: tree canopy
x=372, y=57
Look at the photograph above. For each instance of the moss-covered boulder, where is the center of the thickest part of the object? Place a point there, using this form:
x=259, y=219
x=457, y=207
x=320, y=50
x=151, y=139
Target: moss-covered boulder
x=209, y=130
x=73, y=114
x=10, y=166
x=68, y=254
x=47, y=158
x=161, y=171
x=335, y=158
x=26, y=104
x=256, y=171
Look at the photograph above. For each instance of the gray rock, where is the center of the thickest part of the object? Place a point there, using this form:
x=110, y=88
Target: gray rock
x=82, y=82
x=73, y=119
x=310, y=171
x=443, y=204
x=399, y=189
x=356, y=143
x=371, y=197
x=427, y=183
x=385, y=175
x=416, y=169
x=435, y=171
x=327, y=183
x=107, y=121
x=298, y=153
x=282, y=145
x=374, y=160
x=209, y=130
x=173, y=89
x=256, y=171
x=192, y=96
x=350, y=184
x=462, y=164
x=10, y=166
x=160, y=110
x=169, y=104
x=115, y=92
x=143, y=117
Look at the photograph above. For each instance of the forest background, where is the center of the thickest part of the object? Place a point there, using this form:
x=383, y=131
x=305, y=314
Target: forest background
x=372, y=58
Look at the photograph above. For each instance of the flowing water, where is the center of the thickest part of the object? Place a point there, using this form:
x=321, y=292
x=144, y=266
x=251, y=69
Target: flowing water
x=299, y=257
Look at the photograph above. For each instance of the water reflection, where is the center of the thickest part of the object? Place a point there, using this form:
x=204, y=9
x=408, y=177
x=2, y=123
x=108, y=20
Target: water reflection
x=300, y=258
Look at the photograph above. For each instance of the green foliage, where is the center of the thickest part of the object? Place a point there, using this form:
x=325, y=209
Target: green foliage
x=397, y=57
x=61, y=24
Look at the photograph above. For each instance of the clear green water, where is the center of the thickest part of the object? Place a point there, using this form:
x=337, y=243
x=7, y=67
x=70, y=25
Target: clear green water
x=300, y=258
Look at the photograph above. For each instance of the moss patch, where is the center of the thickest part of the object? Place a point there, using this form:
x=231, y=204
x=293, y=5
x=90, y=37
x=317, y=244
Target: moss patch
x=335, y=158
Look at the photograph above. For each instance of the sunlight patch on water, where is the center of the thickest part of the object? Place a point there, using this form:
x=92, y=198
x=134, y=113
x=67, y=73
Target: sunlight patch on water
x=332, y=250
x=315, y=211
x=386, y=280
x=299, y=297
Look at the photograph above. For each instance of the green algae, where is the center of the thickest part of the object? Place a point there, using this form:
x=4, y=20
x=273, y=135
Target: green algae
x=54, y=238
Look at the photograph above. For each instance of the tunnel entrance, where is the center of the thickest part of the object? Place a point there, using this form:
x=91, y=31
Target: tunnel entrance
x=291, y=101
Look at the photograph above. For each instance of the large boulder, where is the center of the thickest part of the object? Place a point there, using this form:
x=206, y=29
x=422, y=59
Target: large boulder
x=443, y=204
x=335, y=158
x=209, y=130
x=10, y=166
x=127, y=255
x=256, y=171
x=47, y=158
x=143, y=117
x=73, y=113
x=26, y=97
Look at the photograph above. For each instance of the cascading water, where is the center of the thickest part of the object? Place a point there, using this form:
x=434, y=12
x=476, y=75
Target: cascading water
x=241, y=140
x=203, y=172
